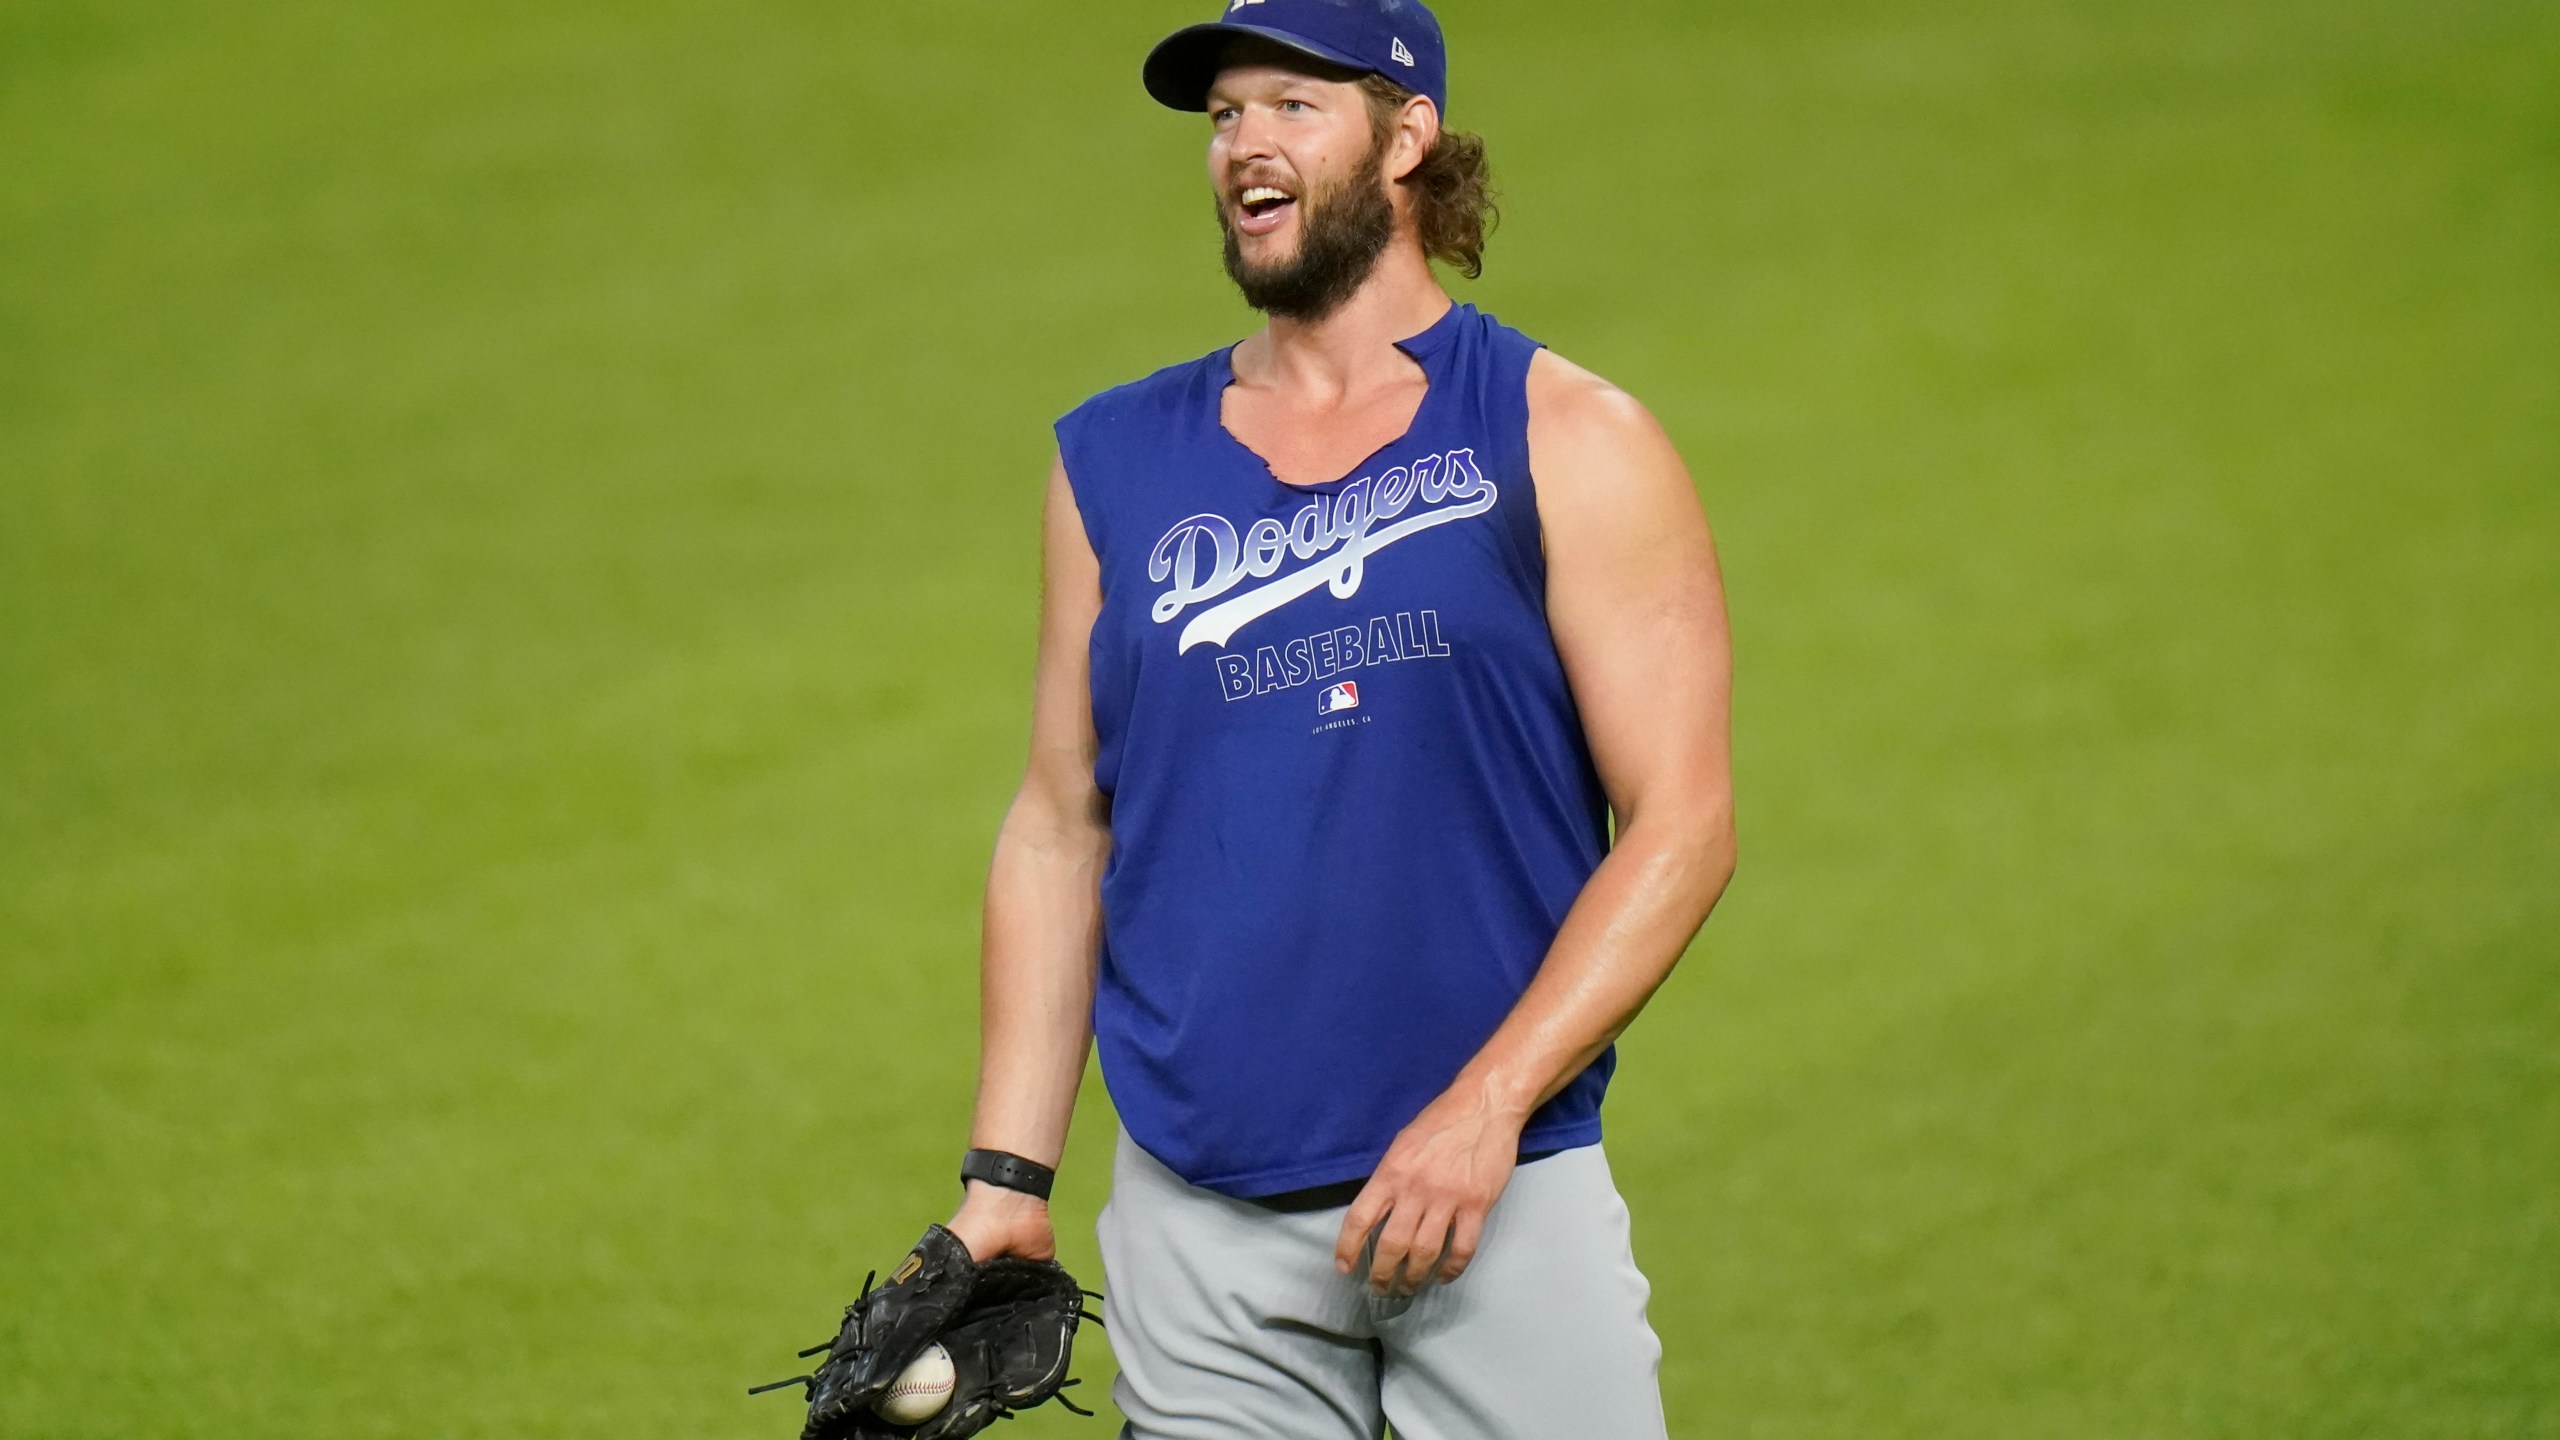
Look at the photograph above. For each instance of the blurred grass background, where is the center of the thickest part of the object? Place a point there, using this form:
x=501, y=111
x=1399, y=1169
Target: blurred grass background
x=516, y=578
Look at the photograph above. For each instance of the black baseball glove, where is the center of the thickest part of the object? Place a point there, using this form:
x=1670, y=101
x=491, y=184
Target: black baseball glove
x=1009, y=1326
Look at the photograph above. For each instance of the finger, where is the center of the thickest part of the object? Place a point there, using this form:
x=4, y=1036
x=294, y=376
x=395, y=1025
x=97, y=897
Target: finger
x=1395, y=1243
x=1367, y=1209
x=1404, y=1279
x=1464, y=1237
x=1430, y=1241
x=1415, y=1237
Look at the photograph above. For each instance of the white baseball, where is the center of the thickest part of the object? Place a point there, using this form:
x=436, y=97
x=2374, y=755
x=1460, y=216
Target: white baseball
x=921, y=1390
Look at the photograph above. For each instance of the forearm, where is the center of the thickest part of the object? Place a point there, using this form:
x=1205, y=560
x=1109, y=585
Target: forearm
x=1635, y=916
x=1426, y=1204
x=1043, y=930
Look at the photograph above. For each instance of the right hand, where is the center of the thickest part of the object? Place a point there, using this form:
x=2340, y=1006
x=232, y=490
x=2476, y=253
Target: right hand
x=995, y=1221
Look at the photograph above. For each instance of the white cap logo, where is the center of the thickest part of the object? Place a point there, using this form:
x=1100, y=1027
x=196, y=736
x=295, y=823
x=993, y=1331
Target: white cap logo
x=1401, y=54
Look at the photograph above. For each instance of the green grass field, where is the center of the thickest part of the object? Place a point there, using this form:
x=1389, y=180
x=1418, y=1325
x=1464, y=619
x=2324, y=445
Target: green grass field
x=516, y=576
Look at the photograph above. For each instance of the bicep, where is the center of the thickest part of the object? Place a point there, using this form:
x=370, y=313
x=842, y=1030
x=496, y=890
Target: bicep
x=1063, y=744
x=1634, y=598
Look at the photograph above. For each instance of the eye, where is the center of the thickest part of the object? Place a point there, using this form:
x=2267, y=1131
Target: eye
x=1293, y=105
x=1222, y=115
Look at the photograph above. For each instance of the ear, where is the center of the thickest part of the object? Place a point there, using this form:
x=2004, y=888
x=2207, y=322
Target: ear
x=1417, y=129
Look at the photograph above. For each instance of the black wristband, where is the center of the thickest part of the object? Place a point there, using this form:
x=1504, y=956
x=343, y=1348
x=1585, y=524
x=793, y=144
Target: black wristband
x=1007, y=1171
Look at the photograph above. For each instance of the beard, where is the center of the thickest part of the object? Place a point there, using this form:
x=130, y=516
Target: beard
x=1342, y=230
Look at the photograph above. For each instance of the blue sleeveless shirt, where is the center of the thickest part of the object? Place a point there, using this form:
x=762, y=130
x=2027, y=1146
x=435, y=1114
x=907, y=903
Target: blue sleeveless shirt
x=1350, y=797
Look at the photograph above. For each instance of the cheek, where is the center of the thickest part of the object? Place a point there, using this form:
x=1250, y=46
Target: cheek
x=1330, y=162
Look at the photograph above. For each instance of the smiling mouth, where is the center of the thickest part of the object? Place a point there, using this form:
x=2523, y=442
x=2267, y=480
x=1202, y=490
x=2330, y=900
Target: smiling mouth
x=1261, y=208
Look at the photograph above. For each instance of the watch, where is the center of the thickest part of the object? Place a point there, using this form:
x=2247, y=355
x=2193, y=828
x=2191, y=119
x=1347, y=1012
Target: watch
x=1007, y=1171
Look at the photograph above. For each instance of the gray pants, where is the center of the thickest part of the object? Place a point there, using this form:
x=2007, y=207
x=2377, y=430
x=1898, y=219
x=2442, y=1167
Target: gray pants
x=1229, y=1322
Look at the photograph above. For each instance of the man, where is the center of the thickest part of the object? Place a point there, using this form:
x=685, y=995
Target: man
x=1356, y=636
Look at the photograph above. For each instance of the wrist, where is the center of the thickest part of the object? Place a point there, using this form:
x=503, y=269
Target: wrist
x=1005, y=1170
x=995, y=1199
x=1498, y=1095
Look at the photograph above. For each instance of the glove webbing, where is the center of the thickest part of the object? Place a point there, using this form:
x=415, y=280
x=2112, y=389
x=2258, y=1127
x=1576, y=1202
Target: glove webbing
x=809, y=1383
x=853, y=1313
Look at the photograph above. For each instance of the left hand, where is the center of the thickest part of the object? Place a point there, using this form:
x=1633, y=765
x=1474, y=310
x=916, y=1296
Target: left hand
x=1430, y=1196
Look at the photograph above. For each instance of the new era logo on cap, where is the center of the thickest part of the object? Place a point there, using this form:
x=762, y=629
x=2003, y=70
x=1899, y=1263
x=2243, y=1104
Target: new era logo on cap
x=1401, y=55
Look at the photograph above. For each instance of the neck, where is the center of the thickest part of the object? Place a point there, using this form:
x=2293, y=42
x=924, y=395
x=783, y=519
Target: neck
x=1355, y=342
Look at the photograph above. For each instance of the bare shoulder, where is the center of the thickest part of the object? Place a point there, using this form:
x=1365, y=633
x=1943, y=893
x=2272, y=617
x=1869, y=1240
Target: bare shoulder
x=1573, y=402
x=1593, y=444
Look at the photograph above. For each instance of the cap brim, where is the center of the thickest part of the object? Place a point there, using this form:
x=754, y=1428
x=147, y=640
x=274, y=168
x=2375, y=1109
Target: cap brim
x=1184, y=64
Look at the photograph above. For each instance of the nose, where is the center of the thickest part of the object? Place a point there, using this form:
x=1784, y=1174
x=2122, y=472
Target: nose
x=1254, y=136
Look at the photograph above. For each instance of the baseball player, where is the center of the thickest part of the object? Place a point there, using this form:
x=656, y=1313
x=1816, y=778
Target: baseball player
x=1378, y=775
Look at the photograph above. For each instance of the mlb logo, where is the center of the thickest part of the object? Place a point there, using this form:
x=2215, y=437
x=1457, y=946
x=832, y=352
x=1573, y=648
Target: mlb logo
x=1345, y=696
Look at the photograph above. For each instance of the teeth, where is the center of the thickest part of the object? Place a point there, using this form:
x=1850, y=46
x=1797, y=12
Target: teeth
x=1260, y=194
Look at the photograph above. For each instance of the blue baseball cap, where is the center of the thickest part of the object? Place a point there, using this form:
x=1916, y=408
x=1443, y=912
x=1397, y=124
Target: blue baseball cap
x=1399, y=39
